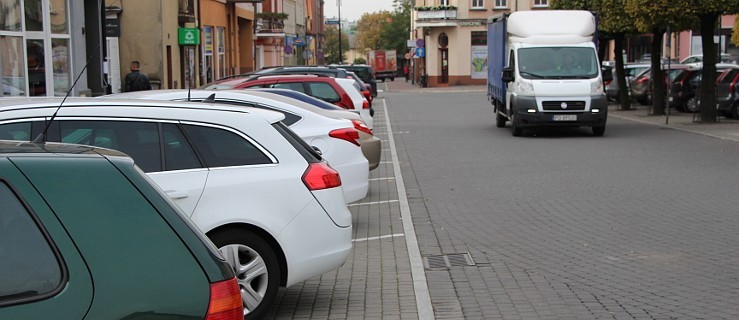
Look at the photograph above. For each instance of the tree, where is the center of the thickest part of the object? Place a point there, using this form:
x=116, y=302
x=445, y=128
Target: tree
x=359, y=60
x=708, y=12
x=655, y=16
x=331, y=50
x=735, y=33
x=369, y=30
x=395, y=33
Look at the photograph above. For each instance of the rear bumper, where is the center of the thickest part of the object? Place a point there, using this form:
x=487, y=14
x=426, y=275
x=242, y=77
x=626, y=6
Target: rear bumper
x=372, y=150
x=314, y=244
x=354, y=178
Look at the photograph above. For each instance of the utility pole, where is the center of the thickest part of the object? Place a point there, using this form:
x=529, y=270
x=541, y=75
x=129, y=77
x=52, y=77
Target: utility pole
x=341, y=56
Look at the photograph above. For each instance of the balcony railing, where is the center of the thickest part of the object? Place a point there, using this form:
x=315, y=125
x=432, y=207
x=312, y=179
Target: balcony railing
x=437, y=14
x=270, y=25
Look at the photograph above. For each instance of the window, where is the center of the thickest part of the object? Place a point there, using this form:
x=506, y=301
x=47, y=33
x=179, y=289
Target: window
x=28, y=266
x=178, y=154
x=221, y=148
x=295, y=86
x=501, y=4
x=443, y=2
x=139, y=140
x=541, y=3
x=20, y=131
x=324, y=91
x=290, y=118
x=478, y=4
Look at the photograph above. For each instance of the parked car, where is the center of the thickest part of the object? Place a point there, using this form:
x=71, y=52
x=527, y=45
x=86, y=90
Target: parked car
x=354, y=91
x=727, y=93
x=641, y=86
x=631, y=70
x=228, y=168
x=698, y=59
x=370, y=144
x=364, y=88
x=684, y=92
x=85, y=235
x=365, y=72
x=282, y=70
x=337, y=139
x=322, y=87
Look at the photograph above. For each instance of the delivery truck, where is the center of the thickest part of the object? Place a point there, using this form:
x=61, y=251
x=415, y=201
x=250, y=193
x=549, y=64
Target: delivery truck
x=543, y=70
x=384, y=62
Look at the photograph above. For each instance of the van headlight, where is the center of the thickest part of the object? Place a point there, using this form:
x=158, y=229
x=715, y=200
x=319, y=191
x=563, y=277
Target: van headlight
x=524, y=87
x=596, y=87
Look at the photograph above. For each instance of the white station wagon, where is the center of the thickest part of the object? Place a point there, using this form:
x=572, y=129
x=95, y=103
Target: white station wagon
x=264, y=197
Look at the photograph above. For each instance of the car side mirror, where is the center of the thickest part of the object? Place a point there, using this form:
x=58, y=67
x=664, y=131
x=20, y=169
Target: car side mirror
x=508, y=74
x=607, y=73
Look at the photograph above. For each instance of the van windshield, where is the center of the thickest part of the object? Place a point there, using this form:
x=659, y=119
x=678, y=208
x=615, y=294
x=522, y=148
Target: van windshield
x=557, y=63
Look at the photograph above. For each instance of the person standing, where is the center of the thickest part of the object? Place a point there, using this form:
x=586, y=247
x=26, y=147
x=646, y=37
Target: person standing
x=405, y=72
x=136, y=81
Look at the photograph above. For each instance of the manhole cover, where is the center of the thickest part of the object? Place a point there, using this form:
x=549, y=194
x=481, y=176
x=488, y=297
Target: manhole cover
x=449, y=260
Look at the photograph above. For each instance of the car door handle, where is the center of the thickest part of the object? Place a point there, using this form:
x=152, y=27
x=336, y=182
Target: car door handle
x=174, y=194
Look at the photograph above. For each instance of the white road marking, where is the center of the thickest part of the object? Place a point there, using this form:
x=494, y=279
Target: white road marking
x=380, y=237
x=368, y=203
x=379, y=179
x=423, y=298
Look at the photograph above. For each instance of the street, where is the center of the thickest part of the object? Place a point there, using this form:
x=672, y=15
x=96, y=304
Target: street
x=641, y=223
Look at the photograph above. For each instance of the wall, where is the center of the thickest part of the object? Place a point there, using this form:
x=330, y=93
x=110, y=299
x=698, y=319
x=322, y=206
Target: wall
x=141, y=36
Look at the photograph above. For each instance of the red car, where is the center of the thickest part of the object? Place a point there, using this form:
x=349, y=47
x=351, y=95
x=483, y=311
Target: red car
x=321, y=87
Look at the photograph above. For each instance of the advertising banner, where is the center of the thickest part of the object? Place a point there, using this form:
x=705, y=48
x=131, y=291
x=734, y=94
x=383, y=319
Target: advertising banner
x=479, y=65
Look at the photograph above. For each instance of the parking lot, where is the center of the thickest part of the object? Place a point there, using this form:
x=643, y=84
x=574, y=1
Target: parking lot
x=648, y=236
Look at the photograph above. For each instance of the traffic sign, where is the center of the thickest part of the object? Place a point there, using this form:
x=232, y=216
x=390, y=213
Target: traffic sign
x=420, y=43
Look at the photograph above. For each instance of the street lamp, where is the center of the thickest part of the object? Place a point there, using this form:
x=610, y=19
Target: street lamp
x=341, y=56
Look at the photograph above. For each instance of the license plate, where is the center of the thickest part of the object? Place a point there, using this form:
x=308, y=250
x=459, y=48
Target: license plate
x=564, y=117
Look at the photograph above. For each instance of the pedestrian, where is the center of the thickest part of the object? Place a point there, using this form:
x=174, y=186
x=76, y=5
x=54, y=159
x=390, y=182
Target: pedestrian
x=136, y=81
x=405, y=72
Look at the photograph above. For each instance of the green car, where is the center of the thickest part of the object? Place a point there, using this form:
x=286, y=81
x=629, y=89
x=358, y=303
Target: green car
x=85, y=235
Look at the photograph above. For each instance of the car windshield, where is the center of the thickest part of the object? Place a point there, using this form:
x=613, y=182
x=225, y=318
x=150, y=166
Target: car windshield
x=558, y=63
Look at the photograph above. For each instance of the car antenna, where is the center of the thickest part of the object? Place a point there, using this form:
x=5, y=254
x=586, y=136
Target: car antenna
x=210, y=99
x=42, y=136
x=188, y=94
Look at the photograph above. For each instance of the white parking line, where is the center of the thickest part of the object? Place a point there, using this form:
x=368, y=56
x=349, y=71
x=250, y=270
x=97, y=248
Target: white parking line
x=378, y=238
x=368, y=203
x=380, y=179
x=423, y=298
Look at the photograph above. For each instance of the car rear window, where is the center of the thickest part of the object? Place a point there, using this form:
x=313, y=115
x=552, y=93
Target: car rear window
x=222, y=148
x=295, y=86
x=28, y=265
x=729, y=76
x=323, y=91
x=308, y=153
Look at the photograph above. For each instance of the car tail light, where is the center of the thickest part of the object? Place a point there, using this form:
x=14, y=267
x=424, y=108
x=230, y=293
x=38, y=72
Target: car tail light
x=348, y=134
x=225, y=301
x=361, y=126
x=365, y=104
x=605, y=83
x=642, y=80
x=321, y=176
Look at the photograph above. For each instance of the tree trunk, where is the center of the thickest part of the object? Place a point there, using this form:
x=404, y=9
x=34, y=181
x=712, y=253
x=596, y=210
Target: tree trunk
x=623, y=87
x=708, y=83
x=658, y=75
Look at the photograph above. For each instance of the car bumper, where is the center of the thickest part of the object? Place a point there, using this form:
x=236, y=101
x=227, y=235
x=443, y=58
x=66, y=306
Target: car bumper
x=372, y=150
x=546, y=119
x=314, y=244
x=354, y=178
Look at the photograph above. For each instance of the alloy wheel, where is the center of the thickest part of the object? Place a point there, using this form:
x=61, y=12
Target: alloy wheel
x=251, y=274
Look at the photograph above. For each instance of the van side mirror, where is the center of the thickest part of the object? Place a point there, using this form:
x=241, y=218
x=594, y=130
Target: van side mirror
x=607, y=73
x=508, y=74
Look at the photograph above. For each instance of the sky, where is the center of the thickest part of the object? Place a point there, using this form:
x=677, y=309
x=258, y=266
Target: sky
x=352, y=10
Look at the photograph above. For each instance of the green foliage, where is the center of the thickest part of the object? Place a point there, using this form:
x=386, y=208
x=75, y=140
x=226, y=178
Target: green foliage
x=735, y=33
x=331, y=50
x=385, y=30
x=435, y=8
x=359, y=60
x=272, y=15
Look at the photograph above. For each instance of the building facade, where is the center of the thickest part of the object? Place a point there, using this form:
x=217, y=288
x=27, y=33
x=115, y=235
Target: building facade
x=451, y=39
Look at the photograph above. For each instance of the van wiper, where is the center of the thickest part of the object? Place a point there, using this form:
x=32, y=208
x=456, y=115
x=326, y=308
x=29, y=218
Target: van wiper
x=532, y=75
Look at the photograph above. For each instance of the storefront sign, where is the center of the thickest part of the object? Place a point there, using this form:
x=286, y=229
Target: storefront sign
x=188, y=36
x=208, y=40
x=112, y=28
x=470, y=23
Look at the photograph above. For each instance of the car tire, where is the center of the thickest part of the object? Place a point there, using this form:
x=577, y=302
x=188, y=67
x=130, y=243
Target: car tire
x=693, y=104
x=256, y=268
x=598, y=131
x=500, y=120
x=516, y=129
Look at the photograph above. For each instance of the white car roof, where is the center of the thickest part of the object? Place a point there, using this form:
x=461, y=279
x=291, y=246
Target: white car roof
x=10, y=104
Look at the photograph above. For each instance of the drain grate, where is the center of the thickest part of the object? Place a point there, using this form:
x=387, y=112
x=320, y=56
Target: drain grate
x=449, y=260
